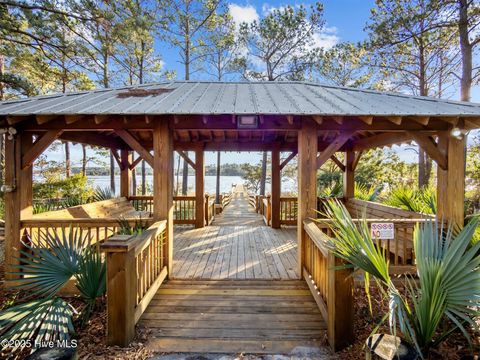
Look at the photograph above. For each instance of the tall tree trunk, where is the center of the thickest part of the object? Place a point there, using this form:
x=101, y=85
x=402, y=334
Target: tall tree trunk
x=424, y=161
x=466, y=50
x=134, y=181
x=424, y=168
x=144, y=178
x=68, y=167
x=2, y=152
x=217, y=185
x=185, y=178
x=84, y=160
x=112, y=173
x=263, y=178
x=2, y=71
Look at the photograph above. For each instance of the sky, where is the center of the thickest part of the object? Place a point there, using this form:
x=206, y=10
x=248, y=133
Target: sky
x=344, y=21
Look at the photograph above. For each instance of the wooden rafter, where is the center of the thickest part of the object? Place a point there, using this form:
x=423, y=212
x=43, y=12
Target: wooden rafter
x=334, y=146
x=318, y=119
x=338, y=119
x=70, y=119
x=429, y=145
x=366, y=119
x=337, y=162
x=424, y=120
x=135, y=145
x=43, y=119
x=39, y=147
x=187, y=159
x=397, y=120
x=288, y=159
x=290, y=119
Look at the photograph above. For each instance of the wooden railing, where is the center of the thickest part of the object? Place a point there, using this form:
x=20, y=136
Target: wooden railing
x=184, y=210
x=183, y=207
x=142, y=202
x=135, y=270
x=95, y=230
x=399, y=250
x=209, y=209
x=225, y=199
x=331, y=288
x=265, y=209
x=288, y=210
x=253, y=200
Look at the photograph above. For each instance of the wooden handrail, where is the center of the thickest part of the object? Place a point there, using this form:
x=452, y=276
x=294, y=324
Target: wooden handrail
x=135, y=271
x=330, y=284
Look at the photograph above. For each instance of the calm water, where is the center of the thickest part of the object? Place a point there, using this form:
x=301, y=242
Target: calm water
x=226, y=183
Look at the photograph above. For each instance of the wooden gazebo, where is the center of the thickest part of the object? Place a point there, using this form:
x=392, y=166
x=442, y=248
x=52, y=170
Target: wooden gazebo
x=309, y=120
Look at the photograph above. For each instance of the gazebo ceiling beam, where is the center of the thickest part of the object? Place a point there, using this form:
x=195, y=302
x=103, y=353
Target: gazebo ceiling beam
x=334, y=146
x=94, y=139
x=380, y=140
x=42, y=143
x=135, y=145
x=220, y=122
x=430, y=147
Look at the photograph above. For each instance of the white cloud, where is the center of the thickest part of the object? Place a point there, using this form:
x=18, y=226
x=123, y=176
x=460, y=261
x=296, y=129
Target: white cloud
x=326, y=38
x=241, y=14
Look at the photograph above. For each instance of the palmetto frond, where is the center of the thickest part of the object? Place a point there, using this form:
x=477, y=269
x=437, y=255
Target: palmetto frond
x=447, y=296
x=37, y=320
x=48, y=265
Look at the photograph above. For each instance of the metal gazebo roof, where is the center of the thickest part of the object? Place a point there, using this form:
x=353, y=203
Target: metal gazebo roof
x=205, y=98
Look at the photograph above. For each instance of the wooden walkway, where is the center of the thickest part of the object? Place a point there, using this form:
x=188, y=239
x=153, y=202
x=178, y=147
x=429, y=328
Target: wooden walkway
x=237, y=245
x=233, y=317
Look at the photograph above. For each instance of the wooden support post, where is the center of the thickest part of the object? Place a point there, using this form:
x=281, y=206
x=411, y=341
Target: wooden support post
x=163, y=184
x=121, y=288
x=18, y=197
x=349, y=175
x=307, y=182
x=276, y=187
x=451, y=182
x=200, y=213
x=125, y=173
x=340, y=304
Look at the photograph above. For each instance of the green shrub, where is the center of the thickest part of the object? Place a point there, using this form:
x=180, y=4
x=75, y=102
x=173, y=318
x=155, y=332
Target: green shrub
x=75, y=188
x=445, y=298
x=46, y=268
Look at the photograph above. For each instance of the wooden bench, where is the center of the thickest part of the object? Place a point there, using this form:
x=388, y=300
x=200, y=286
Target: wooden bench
x=116, y=208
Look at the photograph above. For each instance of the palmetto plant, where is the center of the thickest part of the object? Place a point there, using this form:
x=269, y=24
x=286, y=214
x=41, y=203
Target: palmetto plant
x=364, y=192
x=102, y=194
x=45, y=268
x=446, y=296
x=407, y=198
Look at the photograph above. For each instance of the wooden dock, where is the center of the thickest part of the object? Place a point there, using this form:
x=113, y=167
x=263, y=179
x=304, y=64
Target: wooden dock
x=237, y=245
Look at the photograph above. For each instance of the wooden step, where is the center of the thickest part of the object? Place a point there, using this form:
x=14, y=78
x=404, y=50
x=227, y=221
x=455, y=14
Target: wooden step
x=233, y=316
